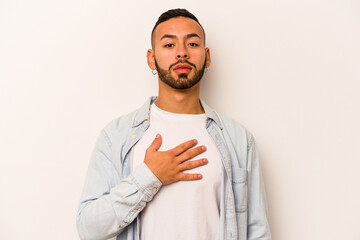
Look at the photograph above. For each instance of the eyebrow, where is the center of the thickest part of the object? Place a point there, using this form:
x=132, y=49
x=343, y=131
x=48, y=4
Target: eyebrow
x=190, y=35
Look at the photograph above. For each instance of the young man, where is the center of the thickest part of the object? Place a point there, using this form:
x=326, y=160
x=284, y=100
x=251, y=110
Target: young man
x=174, y=169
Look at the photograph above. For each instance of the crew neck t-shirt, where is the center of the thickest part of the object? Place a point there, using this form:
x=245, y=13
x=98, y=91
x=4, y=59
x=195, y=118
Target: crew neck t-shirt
x=186, y=209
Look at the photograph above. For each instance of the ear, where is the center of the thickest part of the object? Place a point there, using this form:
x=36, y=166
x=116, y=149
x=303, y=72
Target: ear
x=208, y=58
x=150, y=55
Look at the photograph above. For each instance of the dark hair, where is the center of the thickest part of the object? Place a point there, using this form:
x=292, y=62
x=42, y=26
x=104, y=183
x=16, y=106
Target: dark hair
x=173, y=13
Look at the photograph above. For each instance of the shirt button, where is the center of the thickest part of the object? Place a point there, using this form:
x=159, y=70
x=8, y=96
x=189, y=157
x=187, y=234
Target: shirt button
x=135, y=122
x=154, y=189
x=145, y=122
x=133, y=136
x=139, y=209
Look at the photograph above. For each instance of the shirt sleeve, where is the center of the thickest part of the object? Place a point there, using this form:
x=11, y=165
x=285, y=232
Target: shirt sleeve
x=109, y=204
x=258, y=226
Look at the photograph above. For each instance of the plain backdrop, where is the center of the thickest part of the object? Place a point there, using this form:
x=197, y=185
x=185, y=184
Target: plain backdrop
x=289, y=71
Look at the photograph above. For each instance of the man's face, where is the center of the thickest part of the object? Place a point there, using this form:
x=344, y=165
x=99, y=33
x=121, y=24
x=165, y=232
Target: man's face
x=179, y=54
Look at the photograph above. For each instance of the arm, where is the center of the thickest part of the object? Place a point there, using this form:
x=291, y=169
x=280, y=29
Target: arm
x=258, y=227
x=109, y=204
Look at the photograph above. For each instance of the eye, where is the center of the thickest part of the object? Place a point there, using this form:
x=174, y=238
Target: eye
x=169, y=45
x=193, y=44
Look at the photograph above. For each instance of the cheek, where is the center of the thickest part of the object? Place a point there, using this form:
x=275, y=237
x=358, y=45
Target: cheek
x=198, y=59
x=163, y=58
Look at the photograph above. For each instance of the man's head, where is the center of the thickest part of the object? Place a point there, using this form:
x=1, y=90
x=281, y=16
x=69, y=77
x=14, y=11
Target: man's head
x=173, y=13
x=178, y=49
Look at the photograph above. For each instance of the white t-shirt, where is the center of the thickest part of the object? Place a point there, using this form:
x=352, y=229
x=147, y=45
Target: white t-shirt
x=185, y=210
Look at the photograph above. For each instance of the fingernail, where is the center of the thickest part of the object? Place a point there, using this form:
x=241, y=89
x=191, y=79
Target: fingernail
x=157, y=135
x=199, y=176
x=195, y=141
x=205, y=160
x=203, y=148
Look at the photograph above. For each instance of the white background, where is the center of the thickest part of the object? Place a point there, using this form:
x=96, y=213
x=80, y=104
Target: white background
x=289, y=71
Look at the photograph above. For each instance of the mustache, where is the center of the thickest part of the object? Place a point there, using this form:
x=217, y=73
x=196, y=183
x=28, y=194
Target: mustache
x=182, y=61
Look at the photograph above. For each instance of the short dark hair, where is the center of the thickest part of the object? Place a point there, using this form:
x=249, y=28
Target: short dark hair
x=173, y=13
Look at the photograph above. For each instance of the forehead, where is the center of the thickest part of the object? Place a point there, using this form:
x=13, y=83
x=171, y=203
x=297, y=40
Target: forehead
x=179, y=26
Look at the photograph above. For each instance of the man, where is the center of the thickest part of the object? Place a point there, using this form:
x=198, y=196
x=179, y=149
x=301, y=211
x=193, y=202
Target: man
x=174, y=169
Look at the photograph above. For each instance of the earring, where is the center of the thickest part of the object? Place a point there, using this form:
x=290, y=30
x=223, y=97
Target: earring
x=154, y=72
x=206, y=70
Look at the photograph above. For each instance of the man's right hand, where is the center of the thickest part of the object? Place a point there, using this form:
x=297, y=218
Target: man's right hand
x=168, y=166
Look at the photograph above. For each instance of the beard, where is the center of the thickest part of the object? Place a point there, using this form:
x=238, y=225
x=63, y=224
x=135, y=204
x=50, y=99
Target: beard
x=183, y=81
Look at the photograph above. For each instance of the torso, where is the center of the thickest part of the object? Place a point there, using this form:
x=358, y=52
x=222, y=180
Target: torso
x=186, y=209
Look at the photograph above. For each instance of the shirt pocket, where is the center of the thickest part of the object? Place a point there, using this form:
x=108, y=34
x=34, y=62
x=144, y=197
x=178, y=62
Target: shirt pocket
x=239, y=183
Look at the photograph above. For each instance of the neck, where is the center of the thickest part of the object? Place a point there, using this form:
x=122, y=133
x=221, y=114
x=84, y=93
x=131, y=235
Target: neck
x=183, y=101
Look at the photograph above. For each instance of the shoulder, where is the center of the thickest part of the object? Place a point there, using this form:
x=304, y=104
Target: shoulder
x=236, y=131
x=122, y=127
x=119, y=125
x=232, y=130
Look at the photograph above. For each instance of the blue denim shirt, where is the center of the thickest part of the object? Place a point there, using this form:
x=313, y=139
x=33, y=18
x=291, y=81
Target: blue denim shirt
x=113, y=195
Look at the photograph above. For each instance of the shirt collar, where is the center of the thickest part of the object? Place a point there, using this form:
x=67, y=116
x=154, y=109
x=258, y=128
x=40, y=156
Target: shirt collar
x=143, y=113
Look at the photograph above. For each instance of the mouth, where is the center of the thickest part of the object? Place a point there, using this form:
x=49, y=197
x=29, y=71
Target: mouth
x=182, y=68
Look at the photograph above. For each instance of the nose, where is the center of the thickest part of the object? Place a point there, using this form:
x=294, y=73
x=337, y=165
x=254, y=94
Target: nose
x=182, y=52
